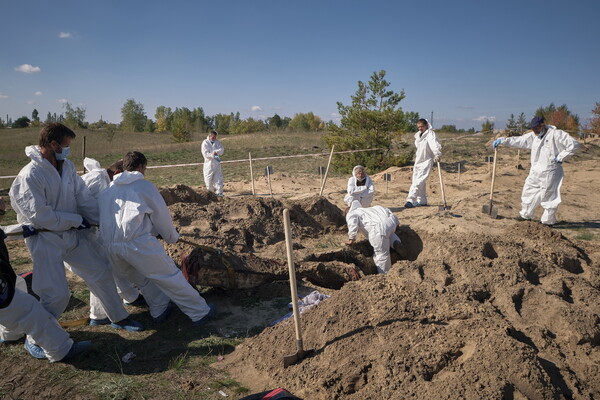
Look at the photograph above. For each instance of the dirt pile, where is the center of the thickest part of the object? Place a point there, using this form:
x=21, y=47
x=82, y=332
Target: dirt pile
x=473, y=316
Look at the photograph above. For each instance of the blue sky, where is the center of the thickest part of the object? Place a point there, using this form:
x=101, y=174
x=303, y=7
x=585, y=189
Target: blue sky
x=465, y=60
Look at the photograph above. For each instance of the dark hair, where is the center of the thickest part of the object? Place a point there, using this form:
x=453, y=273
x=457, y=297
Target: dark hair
x=115, y=168
x=54, y=131
x=133, y=160
x=423, y=121
x=214, y=132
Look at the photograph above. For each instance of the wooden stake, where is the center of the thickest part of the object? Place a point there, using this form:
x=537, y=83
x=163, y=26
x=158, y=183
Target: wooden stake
x=83, y=155
x=269, y=179
x=326, y=171
x=459, y=173
x=251, y=173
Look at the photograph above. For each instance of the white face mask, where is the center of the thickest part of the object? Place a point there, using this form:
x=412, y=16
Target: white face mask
x=66, y=151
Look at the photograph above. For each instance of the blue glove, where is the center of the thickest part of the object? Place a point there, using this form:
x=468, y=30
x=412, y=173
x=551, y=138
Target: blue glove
x=217, y=158
x=497, y=142
x=557, y=160
x=84, y=225
x=29, y=230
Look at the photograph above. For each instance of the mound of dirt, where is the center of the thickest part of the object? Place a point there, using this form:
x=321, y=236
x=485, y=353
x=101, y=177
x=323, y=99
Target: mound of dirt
x=514, y=315
x=185, y=194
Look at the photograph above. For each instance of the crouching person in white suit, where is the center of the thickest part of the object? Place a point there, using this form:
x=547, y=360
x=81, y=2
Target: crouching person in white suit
x=378, y=224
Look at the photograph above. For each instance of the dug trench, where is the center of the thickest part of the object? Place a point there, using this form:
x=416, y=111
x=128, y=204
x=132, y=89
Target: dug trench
x=460, y=315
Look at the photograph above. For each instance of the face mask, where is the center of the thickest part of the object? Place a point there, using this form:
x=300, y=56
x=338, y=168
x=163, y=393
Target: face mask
x=63, y=156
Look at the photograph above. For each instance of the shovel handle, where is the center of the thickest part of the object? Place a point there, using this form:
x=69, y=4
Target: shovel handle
x=292, y=272
x=493, y=177
x=441, y=183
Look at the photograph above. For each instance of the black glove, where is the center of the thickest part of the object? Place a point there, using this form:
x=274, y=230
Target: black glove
x=84, y=225
x=29, y=230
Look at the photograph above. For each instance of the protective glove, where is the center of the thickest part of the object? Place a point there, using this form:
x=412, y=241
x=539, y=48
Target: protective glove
x=84, y=224
x=29, y=230
x=557, y=160
x=217, y=158
x=497, y=142
x=437, y=159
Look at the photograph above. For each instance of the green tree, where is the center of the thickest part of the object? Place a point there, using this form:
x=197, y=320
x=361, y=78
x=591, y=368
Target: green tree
x=372, y=120
x=522, y=124
x=247, y=126
x=22, y=122
x=150, y=125
x=487, y=126
x=164, y=118
x=448, y=129
x=512, y=128
x=274, y=122
x=35, y=115
x=74, y=117
x=133, y=116
x=199, y=123
x=182, y=121
x=305, y=122
x=222, y=122
x=595, y=120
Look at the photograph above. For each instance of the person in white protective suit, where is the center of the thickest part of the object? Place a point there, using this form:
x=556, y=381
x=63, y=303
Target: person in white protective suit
x=549, y=148
x=20, y=311
x=48, y=195
x=379, y=225
x=212, y=150
x=132, y=214
x=429, y=150
x=97, y=179
x=360, y=187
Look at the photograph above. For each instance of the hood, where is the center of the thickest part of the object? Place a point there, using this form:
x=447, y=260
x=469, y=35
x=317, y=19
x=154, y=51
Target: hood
x=127, y=177
x=90, y=164
x=34, y=153
x=356, y=169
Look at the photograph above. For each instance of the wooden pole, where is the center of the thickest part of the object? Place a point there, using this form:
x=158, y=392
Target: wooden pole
x=83, y=155
x=293, y=286
x=326, y=171
x=269, y=179
x=518, y=157
x=459, y=173
x=251, y=174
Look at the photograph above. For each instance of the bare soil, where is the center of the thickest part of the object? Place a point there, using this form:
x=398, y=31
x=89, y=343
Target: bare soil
x=476, y=308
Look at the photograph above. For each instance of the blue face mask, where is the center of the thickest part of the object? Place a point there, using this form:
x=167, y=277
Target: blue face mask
x=63, y=156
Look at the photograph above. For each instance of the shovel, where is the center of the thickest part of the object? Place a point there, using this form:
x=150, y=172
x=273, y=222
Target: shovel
x=489, y=209
x=300, y=353
x=445, y=206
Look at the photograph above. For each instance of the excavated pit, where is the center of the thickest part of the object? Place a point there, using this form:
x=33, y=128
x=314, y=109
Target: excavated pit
x=514, y=314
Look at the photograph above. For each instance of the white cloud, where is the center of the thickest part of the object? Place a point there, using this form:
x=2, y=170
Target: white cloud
x=30, y=102
x=482, y=118
x=3, y=96
x=256, y=108
x=38, y=93
x=28, y=69
x=65, y=35
x=63, y=101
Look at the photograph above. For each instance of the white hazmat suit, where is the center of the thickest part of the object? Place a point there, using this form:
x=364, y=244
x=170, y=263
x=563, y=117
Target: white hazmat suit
x=542, y=186
x=363, y=193
x=378, y=224
x=97, y=179
x=428, y=148
x=213, y=175
x=132, y=213
x=47, y=200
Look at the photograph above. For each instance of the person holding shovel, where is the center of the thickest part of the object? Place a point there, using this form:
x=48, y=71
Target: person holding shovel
x=212, y=150
x=429, y=150
x=54, y=202
x=360, y=187
x=379, y=225
x=132, y=214
x=550, y=147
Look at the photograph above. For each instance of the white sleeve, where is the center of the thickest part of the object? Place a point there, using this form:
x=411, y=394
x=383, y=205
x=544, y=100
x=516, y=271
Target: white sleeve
x=569, y=144
x=434, y=144
x=219, y=148
x=206, y=153
x=519, y=142
x=160, y=216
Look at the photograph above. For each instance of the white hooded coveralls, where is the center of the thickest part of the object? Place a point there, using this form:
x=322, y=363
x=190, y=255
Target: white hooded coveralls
x=364, y=194
x=97, y=179
x=378, y=224
x=132, y=213
x=45, y=199
x=428, y=148
x=542, y=186
x=213, y=175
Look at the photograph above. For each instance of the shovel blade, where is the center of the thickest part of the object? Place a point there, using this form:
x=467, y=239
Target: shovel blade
x=290, y=360
x=444, y=208
x=490, y=210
